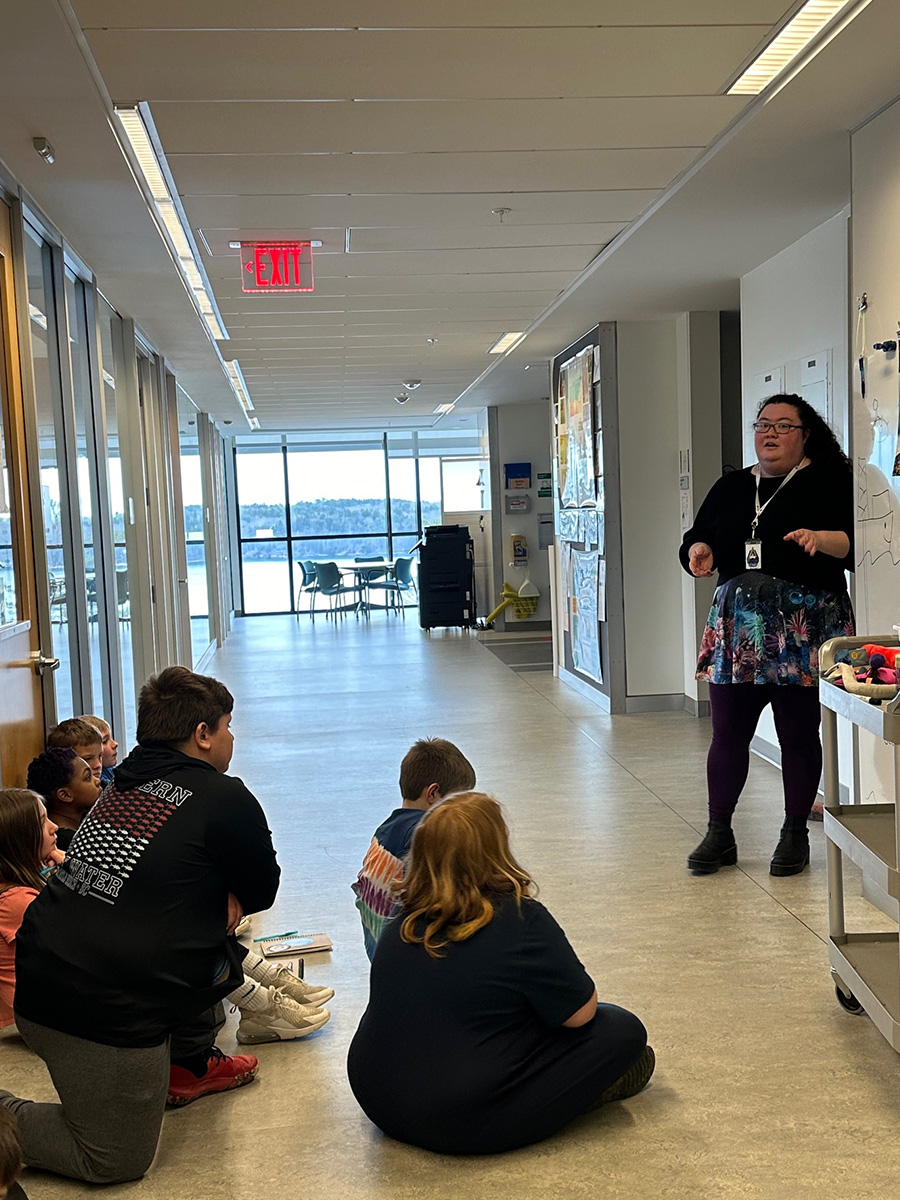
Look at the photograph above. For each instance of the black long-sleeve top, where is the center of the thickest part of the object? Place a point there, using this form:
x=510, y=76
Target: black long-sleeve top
x=816, y=498
x=128, y=941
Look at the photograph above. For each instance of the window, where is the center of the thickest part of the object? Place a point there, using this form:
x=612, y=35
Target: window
x=336, y=497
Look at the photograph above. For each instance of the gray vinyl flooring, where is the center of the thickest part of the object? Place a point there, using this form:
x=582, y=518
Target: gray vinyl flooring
x=765, y=1088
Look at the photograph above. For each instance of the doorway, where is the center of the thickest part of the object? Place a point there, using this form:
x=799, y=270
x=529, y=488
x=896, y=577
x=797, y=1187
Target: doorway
x=21, y=702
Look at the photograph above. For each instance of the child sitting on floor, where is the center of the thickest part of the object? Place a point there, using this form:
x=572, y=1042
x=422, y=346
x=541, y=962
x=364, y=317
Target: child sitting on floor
x=68, y=788
x=27, y=849
x=432, y=769
x=82, y=737
x=108, y=748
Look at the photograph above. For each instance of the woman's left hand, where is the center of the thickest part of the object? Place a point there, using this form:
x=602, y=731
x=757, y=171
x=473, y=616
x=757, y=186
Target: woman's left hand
x=806, y=539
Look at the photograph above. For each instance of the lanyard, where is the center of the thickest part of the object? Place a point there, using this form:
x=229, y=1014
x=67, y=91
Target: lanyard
x=761, y=508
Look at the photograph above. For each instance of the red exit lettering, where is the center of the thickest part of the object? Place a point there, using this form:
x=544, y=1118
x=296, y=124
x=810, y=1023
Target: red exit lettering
x=276, y=267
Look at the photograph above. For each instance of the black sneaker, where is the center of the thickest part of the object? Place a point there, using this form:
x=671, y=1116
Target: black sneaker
x=718, y=849
x=632, y=1081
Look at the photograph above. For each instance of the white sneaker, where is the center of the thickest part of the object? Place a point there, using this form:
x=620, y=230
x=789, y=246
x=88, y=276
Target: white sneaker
x=281, y=1021
x=277, y=975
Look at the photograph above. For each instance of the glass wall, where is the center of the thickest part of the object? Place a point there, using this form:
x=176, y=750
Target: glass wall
x=51, y=450
x=334, y=497
x=194, y=529
x=108, y=318
x=86, y=481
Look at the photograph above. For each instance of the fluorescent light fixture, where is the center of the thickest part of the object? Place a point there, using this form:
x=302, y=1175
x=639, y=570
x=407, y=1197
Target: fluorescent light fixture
x=108, y=380
x=506, y=343
x=147, y=158
x=37, y=316
x=790, y=41
x=445, y=408
x=254, y=422
x=239, y=387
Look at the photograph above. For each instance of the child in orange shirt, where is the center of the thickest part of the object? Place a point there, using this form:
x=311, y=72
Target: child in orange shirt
x=27, y=850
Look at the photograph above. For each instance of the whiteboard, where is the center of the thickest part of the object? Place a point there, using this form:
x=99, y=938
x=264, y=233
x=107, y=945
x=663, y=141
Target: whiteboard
x=876, y=252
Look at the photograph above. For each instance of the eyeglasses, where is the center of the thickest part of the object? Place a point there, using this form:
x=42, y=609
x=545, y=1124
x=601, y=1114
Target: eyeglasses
x=780, y=427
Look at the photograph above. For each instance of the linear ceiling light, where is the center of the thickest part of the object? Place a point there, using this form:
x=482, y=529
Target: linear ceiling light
x=445, y=408
x=506, y=343
x=791, y=40
x=148, y=158
x=239, y=387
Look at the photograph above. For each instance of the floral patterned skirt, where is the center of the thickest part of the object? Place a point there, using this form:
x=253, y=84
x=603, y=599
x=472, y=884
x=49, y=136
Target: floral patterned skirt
x=765, y=630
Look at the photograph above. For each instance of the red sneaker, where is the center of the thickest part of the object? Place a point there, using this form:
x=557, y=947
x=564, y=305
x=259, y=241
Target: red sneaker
x=223, y=1072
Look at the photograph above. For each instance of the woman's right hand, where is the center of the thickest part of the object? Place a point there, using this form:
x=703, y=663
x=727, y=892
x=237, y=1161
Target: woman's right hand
x=700, y=559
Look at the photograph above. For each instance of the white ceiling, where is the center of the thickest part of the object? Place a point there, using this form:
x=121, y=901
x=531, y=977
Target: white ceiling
x=390, y=136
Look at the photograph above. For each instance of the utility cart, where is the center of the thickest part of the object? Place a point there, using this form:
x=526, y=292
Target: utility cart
x=865, y=966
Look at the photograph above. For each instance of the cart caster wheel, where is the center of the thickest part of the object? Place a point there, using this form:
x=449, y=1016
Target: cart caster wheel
x=849, y=1003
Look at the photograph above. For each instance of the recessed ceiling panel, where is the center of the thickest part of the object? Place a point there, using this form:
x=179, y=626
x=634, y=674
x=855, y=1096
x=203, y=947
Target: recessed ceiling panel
x=390, y=174
x=329, y=127
x=421, y=65
x=399, y=14
x=410, y=210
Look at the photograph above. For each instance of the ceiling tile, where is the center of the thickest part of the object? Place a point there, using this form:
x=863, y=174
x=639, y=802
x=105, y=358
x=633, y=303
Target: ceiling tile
x=420, y=65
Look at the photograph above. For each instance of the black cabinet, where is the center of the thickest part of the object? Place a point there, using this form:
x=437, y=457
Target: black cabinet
x=446, y=577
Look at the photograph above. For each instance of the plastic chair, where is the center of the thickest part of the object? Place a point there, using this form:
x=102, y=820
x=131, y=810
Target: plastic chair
x=308, y=586
x=364, y=578
x=329, y=583
x=395, y=589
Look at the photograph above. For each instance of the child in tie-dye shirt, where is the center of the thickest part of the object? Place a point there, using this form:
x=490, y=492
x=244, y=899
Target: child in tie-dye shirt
x=432, y=769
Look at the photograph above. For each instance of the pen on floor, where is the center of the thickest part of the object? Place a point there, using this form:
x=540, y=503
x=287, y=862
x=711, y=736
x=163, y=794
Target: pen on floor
x=270, y=937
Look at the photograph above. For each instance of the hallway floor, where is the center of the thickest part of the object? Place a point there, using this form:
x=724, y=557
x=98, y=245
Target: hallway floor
x=764, y=1088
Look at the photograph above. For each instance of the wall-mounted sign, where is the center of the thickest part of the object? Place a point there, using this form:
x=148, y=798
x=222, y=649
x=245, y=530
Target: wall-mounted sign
x=276, y=267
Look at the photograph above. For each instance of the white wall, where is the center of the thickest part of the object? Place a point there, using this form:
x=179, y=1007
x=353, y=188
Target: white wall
x=876, y=253
x=793, y=306
x=523, y=435
x=648, y=441
x=700, y=451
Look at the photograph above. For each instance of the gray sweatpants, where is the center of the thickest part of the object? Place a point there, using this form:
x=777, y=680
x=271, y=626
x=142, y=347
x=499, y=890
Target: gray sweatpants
x=106, y=1128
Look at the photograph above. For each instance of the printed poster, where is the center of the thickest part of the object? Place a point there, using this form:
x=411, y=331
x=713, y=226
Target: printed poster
x=583, y=599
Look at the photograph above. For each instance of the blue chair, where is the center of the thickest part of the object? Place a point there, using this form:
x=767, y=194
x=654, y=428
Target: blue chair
x=365, y=578
x=329, y=583
x=395, y=589
x=308, y=586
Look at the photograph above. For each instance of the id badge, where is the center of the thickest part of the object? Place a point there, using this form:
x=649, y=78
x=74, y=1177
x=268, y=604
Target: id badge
x=753, y=554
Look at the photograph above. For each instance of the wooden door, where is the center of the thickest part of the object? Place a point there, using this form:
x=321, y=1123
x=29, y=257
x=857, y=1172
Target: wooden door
x=21, y=705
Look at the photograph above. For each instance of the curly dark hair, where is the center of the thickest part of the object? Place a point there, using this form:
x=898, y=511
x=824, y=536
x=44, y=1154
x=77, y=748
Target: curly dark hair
x=51, y=771
x=822, y=447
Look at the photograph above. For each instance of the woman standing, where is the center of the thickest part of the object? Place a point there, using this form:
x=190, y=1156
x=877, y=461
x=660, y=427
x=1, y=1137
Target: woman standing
x=780, y=536
x=483, y=1032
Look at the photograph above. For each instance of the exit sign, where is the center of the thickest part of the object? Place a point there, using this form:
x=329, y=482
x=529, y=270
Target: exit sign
x=276, y=267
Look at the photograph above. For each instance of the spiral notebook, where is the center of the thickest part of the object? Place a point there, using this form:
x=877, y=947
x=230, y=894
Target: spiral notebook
x=296, y=944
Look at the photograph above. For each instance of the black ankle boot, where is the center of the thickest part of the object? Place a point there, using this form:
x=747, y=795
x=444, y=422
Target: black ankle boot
x=792, y=852
x=718, y=849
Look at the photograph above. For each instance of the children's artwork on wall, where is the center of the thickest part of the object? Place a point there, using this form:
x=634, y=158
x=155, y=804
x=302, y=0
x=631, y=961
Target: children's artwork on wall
x=583, y=598
x=575, y=436
x=569, y=524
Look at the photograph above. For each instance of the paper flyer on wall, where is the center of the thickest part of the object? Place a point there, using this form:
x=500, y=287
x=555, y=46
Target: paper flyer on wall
x=601, y=590
x=585, y=632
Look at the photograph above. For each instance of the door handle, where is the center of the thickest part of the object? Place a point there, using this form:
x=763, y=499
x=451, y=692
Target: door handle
x=42, y=663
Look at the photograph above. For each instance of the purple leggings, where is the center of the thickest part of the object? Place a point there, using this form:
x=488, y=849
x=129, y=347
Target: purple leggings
x=735, y=710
